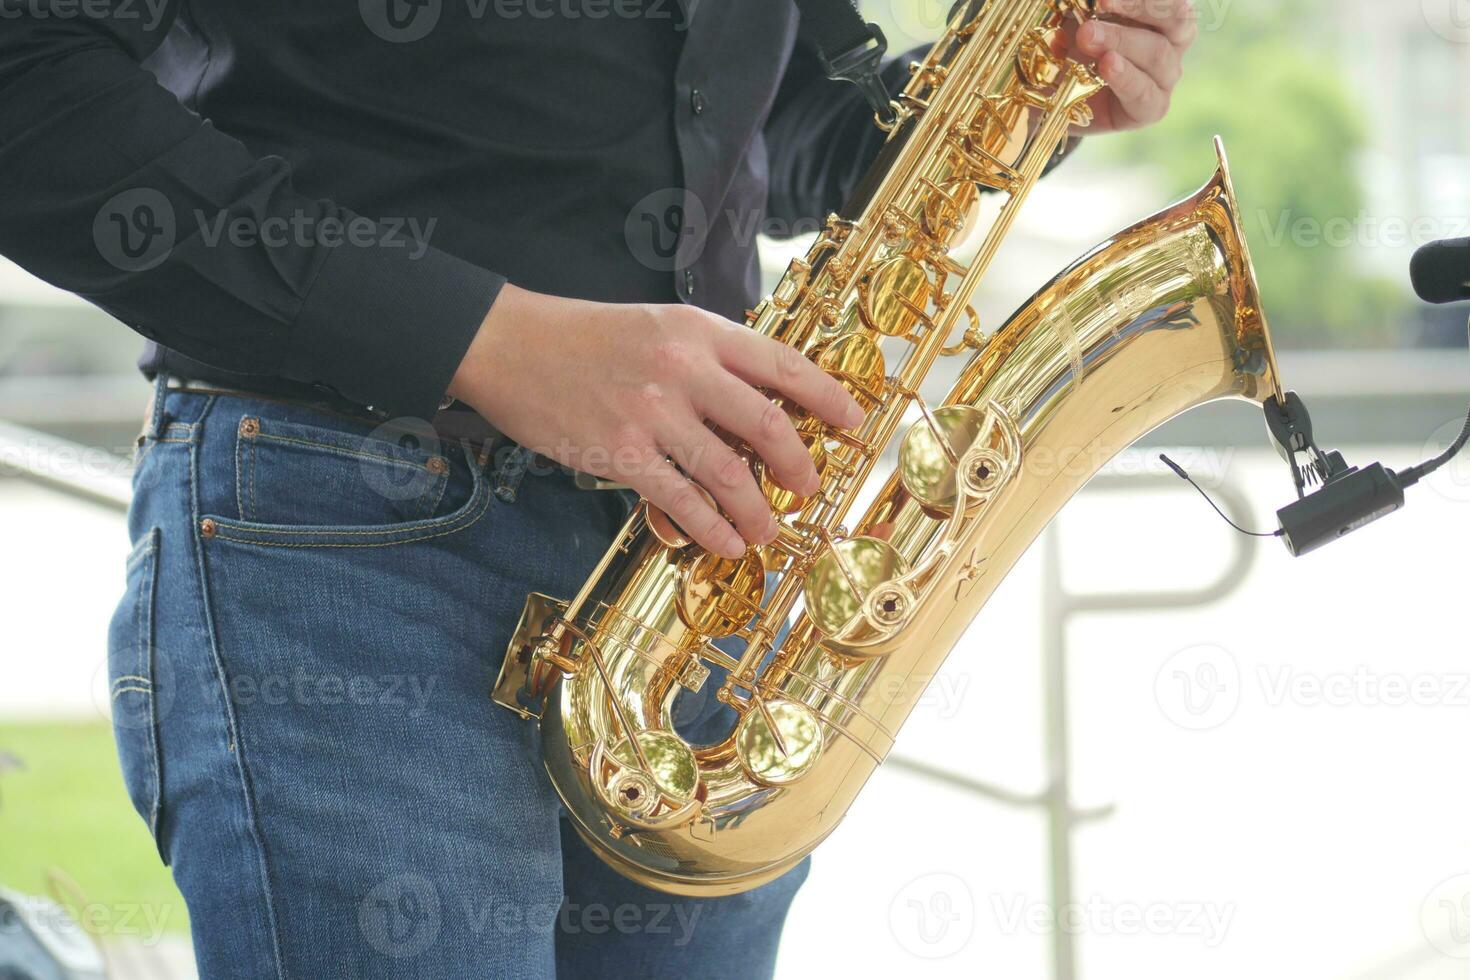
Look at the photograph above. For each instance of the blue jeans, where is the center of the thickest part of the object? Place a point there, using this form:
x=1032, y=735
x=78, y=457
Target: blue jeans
x=315, y=613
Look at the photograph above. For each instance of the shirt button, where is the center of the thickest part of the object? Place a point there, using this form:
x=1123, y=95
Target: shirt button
x=688, y=282
x=697, y=102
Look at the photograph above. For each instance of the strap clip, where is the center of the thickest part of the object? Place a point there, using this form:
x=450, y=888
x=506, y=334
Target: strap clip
x=861, y=66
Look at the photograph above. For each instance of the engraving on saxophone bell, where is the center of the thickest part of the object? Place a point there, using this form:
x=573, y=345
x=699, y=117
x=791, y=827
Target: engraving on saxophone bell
x=969, y=573
x=1072, y=337
x=1203, y=262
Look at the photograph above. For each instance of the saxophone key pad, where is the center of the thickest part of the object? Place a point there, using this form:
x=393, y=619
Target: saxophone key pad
x=778, y=741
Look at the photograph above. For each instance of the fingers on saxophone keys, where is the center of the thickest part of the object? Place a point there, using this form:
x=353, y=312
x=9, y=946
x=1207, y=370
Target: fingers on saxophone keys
x=727, y=477
x=663, y=486
x=1175, y=19
x=766, y=363
x=1139, y=97
x=1146, y=49
x=741, y=410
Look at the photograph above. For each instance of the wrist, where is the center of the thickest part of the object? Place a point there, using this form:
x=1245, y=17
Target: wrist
x=473, y=378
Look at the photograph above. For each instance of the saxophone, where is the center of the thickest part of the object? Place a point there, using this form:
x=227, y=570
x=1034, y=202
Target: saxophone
x=845, y=618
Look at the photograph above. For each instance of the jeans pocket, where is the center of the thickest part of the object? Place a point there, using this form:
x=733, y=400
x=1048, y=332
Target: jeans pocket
x=140, y=686
x=466, y=502
x=288, y=473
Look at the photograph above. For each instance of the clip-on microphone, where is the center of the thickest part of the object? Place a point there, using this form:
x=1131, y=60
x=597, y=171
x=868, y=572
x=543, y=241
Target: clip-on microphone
x=1349, y=498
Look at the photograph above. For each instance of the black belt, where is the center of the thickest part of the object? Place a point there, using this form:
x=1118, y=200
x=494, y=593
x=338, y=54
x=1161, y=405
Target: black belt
x=455, y=424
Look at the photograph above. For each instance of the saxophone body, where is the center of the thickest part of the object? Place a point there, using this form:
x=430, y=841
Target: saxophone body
x=846, y=617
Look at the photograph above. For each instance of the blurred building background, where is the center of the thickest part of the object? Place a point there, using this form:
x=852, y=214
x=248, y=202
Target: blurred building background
x=1259, y=756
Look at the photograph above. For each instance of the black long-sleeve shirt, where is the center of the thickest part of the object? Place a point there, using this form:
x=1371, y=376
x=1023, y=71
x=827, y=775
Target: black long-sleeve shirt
x=299, y=196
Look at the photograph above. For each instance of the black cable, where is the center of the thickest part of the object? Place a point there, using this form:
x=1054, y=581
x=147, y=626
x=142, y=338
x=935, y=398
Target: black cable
x=1190, y=480
x=1414, y=474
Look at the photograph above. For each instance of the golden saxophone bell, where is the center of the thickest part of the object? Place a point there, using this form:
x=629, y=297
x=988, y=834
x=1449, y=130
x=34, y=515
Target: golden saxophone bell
x=1163, y=317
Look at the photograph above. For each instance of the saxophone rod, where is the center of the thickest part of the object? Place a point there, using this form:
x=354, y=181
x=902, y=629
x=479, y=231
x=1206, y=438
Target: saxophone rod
x=1078, y=83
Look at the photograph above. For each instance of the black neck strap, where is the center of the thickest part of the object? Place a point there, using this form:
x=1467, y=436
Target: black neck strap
x=850, y=49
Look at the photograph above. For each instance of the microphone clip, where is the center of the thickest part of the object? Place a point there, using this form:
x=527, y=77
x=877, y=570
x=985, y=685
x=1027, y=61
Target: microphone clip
x=1290, y=426
x=1348, y=497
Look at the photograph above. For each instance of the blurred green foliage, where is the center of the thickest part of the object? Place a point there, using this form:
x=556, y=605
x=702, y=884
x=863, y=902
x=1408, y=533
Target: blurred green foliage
x=66, y=811
x=1264, y=76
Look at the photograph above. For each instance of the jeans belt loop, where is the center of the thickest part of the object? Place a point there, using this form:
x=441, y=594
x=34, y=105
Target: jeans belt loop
x=154, y=420
x=510, y=469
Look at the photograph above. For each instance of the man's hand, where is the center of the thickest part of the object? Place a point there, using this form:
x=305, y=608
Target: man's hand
x=617, y=390
x=1138, y=47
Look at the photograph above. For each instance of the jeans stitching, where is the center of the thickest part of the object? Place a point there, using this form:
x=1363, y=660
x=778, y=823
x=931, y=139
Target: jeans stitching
x=246, y=457
x=232, y=730
x=432, y=495
x=328, y=447
x=472, y=519
x=239, y=467
x=254, y=509
x=138, y=555
x=143, y=626
x=481, y=489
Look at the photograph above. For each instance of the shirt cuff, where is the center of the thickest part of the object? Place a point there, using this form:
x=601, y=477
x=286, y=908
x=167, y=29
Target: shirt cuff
x=387, y=327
